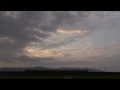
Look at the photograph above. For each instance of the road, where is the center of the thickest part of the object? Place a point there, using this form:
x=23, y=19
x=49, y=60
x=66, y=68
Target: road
x=67, y=77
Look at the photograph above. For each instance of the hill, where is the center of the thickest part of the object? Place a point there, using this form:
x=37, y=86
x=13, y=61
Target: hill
x=45, y=68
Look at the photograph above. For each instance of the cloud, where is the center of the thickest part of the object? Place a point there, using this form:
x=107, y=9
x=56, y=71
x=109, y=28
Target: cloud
x=56, y=45
x=19, y=29
x=64, y=20
x=67, y=55
x=21, y=26
x=27, y=59
x=81, y=32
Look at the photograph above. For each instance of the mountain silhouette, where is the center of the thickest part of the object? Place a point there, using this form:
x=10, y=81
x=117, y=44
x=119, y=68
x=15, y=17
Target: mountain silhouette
x=45, y=68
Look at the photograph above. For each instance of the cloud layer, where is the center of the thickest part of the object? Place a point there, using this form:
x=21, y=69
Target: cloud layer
x=58, y=37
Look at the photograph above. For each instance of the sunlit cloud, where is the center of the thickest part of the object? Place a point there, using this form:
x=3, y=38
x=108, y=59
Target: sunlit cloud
x=81, y=32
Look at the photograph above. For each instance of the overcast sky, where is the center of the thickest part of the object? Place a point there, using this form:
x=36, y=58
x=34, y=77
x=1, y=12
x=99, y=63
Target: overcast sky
x=85, y=39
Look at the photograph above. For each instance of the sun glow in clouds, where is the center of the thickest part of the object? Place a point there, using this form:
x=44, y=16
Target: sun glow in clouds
x=81, y=32
x=29, y=51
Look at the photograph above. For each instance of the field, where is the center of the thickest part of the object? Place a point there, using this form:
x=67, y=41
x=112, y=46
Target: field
x=97, y=77
x=31, y=77
x=59, y=75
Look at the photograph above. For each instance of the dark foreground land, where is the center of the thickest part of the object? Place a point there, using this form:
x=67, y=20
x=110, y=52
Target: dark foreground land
x=58, y=74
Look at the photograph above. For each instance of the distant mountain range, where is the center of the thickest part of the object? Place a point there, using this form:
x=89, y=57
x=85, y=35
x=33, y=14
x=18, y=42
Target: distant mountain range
x=44, y=68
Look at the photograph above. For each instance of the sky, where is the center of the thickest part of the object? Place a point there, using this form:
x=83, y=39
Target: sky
x=84, y=39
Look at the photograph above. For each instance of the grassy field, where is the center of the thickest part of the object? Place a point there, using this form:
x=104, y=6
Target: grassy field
x=31, y=77
x=59, y=74
x=97, y=77
x=59, y=77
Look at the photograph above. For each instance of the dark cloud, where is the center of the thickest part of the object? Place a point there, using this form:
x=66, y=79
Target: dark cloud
x=69, y=63
x=73, y=50
x=27, y=59
x=65, y=20
x=19, y=29
x=67, y=55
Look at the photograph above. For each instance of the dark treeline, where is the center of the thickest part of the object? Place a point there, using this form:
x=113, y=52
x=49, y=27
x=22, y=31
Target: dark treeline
x=56, y=72
x=45, y=68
